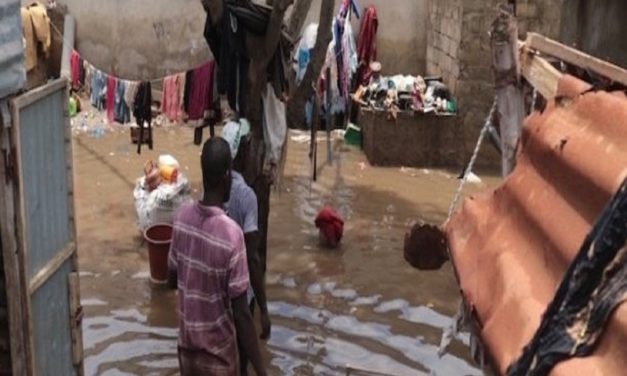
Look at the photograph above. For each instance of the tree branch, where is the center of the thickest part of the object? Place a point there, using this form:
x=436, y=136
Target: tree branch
x=298, y=17
x=296, y=104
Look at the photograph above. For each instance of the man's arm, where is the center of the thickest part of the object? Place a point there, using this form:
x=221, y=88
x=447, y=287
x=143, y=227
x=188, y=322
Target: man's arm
x=257, y=281
x=246, y=333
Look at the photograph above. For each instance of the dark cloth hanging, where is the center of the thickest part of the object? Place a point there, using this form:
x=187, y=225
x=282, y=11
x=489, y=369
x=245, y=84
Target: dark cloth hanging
x=188, y=85
x=367, y=45
x=142, y=107
x=82, y=73
x=201, y=91
x=595, y=284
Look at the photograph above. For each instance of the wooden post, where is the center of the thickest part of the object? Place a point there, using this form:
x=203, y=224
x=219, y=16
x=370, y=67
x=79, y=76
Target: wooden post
x=510, y=103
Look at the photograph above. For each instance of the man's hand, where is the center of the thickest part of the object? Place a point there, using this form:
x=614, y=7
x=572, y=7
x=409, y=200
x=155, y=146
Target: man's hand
x=266, y=326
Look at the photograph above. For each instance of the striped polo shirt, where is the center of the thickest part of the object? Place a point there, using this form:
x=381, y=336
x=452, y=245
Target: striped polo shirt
x=209, y=255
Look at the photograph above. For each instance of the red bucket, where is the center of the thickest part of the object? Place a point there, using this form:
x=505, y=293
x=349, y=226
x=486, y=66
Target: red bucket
x=158, y=238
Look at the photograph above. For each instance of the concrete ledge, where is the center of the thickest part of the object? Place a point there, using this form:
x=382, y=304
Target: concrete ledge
x=413, y=140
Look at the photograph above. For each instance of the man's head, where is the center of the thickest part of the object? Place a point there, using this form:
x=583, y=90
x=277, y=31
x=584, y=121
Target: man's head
x=216, y=169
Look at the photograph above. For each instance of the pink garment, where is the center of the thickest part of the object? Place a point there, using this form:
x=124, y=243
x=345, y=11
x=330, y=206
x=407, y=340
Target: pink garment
x=111, y=84
x=201, y=90
x=208, y=255
x=75, y=70
x=171, y=100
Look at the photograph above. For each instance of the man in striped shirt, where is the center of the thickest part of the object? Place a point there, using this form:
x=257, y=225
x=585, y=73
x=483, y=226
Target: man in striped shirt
x=208, y=262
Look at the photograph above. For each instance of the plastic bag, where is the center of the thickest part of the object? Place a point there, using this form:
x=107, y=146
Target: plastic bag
x=160, y=205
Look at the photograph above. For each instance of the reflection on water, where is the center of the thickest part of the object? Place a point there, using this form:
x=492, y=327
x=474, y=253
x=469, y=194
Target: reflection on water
x=358, y=306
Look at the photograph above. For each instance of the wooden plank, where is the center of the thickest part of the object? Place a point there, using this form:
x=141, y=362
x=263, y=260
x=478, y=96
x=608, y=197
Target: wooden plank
x=34, y=95
x=22, y=253
x=9, y=258
x=76, y=312
x=573, y=56
x=540, y=73
x=51, y=267
x=69, y=156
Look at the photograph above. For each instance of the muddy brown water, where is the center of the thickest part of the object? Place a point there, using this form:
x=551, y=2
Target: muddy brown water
x=358, y=306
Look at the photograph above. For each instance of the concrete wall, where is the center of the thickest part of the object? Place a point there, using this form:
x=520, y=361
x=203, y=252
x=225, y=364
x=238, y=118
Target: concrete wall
x=140, y=39
x=458, y=49
x=402, y=35
x=597, y=27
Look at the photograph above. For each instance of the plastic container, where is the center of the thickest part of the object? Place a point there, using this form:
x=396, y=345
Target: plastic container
x=352, y=135
x=159, y=238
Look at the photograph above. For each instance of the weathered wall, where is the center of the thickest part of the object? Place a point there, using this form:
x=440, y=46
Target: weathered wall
x=597, y=27
x=140, y=39
x=458, y=49
x=402, y=35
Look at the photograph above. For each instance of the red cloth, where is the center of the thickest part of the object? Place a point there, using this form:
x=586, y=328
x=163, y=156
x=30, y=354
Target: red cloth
x=75, y=70
x=331, y=225
x=171, y=98
x=367, y=44
x=111, y=84
x=201, y=91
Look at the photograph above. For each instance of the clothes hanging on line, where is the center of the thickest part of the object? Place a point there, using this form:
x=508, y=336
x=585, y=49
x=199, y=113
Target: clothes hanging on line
x=171, y=101
x=274, y=125
x=121, y=110
x=75, y=70
x=367, y=45
x=200, y=91
x=110, y=98
x=98, y=89
x=142, y=106
x=36, y=33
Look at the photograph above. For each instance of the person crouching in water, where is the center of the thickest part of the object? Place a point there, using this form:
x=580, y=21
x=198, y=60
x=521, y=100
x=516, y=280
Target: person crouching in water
x=331, y=227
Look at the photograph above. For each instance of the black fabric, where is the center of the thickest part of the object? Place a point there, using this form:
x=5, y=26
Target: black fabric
x=594, y=285
x=188, y=86
x=81, y=72
x=142, y=108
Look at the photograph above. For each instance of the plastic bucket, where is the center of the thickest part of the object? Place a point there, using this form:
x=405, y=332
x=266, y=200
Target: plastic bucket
x=158, y=238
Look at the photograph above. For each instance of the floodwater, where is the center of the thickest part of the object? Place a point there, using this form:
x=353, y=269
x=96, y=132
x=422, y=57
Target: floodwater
x=357, y=307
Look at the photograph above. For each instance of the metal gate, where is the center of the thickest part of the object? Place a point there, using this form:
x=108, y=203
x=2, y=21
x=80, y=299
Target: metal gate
x=46, y=259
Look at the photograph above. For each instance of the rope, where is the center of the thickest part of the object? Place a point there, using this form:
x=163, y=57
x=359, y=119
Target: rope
x=475, y=154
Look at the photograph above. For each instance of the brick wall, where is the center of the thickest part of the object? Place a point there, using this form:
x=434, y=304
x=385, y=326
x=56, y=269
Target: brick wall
x=458, y=49
x=5, y=352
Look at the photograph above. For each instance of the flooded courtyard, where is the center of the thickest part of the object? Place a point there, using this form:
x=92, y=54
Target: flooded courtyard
x=360, y=306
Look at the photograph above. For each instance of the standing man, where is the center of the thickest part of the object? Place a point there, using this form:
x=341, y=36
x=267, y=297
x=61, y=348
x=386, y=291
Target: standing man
x=242, y=208
x=208, y=262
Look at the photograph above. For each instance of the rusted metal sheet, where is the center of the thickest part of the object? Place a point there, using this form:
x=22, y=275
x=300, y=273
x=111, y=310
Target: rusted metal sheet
x=512, y=246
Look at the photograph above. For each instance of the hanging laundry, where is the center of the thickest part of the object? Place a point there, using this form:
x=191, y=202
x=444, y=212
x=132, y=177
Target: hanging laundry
x=131, y=92
x=30, y=45
x=121, y=110
x=367, y=45
x=82, y=73
x=274, y=125
x=228, y=45
x=75, y=70
x=98, y=89
x=110, y=98
x=186, y=89
x=142, y=109
x=303, y=52
x=200, y=91
x=171, y=99
x=41, y=25
x=87, y=80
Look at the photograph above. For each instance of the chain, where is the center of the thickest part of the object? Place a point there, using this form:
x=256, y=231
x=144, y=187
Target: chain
x=475, y=154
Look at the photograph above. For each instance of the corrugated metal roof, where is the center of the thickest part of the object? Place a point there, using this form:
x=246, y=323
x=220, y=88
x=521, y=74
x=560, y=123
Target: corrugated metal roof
x=12, y=74
x=512, y=246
